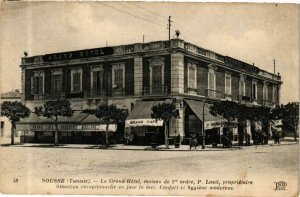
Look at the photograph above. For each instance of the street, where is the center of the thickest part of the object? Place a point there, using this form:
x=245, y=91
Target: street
x=25, y=169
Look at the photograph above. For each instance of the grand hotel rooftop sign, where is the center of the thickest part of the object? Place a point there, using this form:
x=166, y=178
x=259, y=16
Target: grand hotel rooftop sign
x=78, y=54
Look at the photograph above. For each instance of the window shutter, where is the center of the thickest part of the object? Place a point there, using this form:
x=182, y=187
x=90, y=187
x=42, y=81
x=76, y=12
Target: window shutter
x=52, y=83
x=76, y=82
x=211, y=81
x=59, y=88
x=32, y=85
x=40, y=85
x=94, y=87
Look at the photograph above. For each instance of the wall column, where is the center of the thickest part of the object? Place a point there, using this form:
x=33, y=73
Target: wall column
x=177, y=73
x=138, y=75
x=23, y=85
x=279, y=88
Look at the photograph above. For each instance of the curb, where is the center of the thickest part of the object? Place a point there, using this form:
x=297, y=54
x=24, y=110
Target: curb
x=144, y=149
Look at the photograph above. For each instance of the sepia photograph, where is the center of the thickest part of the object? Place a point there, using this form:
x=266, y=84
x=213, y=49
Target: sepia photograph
x=149, y=98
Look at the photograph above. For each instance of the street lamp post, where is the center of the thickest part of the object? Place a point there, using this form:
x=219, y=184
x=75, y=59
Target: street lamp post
x=203, y=130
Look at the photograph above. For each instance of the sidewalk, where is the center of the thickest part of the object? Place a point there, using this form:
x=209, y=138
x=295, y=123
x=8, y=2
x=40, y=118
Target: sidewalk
x=6, y=142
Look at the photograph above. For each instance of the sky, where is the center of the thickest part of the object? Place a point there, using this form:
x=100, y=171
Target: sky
x=253, y=33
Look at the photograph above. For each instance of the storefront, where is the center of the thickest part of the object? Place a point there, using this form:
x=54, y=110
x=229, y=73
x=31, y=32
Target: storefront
x=141, y=128
x=198, y=111
x=80, y=128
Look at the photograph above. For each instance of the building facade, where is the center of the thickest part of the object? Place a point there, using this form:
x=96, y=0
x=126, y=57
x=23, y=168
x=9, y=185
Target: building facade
x=136, y=77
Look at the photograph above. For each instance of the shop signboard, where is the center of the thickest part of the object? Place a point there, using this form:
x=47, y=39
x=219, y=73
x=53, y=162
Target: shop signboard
x=66, y=127
x=143, y=122
x=213, y=124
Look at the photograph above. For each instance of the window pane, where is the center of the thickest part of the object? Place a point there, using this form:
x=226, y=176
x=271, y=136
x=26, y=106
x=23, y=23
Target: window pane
x=254, y=91
x=76, y=82
x=118, y=80
x=192, y=78
x=156, y=76
x=241, y=88
x=97, y=80
x=211, y=81
x=57, y=83
x=228, y=87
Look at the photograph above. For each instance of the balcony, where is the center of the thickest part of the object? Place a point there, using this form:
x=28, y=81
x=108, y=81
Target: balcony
x=267, y=103
x=214, y=94
x=244, y=99
x=228, y=97
x=92, y=94
x=155, y=90
x=38, y=97
x=118, y=92
x=55, y=95
x=49, y=96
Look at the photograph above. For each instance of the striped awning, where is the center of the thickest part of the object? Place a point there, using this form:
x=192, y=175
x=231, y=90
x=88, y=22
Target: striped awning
x=141, y=114
x=78, y=122
x=210, y=121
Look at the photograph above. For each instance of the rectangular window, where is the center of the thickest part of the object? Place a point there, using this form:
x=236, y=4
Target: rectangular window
x=97, y=80
x=211, y=81
x=275, y=94
x=118, y=79
x=156, y=76
x=76, y=80
x=242, y=87
x=211, y=92
x=265, y=92
x=56, y=82
x=192, y=76
x=254, y=90
x=228, y=84
x=37, y=83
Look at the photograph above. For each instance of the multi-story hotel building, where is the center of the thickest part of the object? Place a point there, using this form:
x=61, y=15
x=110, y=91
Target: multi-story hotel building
x=136, y=77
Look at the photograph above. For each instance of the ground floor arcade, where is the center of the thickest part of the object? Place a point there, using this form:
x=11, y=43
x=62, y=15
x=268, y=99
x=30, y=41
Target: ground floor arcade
x=139, y=128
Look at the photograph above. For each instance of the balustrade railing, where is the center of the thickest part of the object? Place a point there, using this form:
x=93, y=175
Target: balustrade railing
x=94, y=93
x=155, y=90
x=214, y=94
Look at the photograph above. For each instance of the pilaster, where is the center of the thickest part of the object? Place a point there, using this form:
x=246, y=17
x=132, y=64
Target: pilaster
x=177, y=73
x=138, y=75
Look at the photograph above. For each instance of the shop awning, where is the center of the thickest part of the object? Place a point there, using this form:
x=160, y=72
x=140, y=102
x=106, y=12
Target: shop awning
x=141, y=114
x=78, y=122
x=210, y=121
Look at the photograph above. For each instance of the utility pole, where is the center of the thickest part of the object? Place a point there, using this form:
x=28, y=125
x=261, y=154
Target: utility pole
x=169, y=27
x=274, y=66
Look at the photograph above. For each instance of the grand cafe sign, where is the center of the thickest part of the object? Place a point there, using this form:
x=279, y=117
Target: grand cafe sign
x=78, y=54
x=143, y=122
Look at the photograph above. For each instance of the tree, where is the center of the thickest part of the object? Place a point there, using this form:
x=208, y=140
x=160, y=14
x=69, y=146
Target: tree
x=14, y=111
x=289, y=114
x=264, y=116
x=109, y=114
x=165, y=112
x=54, y=109
x=229, y=110
x=232, y=111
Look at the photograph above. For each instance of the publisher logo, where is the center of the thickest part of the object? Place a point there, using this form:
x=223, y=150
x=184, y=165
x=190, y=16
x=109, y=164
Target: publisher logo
x=280, y=185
